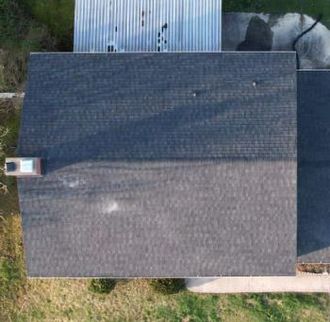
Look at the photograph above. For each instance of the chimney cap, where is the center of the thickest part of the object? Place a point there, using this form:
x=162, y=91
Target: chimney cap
x=23, y=167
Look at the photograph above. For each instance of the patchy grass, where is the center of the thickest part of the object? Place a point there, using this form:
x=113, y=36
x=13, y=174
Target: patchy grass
x=23, y=29
x=314, y=268
x=65, y=300
x=191, y=307
x=9, y=124
x=275, y=307
x=11, y=253
x=71, y=300
x=19, y=35
x=58, y=16
x=310, y=7
x=12, y=276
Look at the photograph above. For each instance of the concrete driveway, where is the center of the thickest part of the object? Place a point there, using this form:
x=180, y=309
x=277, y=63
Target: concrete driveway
x=304, y=283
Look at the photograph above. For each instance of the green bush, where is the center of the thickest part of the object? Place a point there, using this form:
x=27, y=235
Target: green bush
x=58, y=16
x=102, y=285
x=168, y=285
x=19, y=35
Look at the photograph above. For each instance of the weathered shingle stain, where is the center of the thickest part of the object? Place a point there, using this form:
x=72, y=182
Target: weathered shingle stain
x=160, y=165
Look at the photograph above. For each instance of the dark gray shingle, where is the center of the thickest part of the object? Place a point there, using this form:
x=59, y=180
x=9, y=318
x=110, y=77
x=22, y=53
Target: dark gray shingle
x=146, y=178
x=314, y=166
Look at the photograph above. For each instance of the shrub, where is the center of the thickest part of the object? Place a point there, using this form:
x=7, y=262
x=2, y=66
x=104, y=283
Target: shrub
x=58, y=16
x=168, y=285
x=19, y=35
x=102, y=285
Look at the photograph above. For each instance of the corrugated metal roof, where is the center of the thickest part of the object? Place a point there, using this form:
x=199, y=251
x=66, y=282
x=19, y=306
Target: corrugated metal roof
x=147, y=25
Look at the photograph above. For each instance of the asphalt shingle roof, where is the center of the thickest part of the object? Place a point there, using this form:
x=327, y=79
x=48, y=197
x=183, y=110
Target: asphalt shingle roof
x=314, y=166
x=164, y=165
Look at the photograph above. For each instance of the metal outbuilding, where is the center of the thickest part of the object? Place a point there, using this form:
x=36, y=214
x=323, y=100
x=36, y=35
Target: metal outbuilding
x=147, y=26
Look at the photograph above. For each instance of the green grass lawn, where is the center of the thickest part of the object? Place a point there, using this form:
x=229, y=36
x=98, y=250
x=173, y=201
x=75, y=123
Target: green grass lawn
x=30, y=25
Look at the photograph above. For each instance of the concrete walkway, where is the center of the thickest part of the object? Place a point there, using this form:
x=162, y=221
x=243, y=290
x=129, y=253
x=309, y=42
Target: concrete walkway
x=11, y=95
x=304, y=283
x=313, y=48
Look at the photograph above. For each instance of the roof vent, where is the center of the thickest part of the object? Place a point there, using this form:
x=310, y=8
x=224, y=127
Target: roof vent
x=23, y=167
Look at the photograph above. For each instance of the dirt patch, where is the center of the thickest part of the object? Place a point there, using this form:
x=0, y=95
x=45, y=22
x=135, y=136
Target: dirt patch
x=314, y=268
